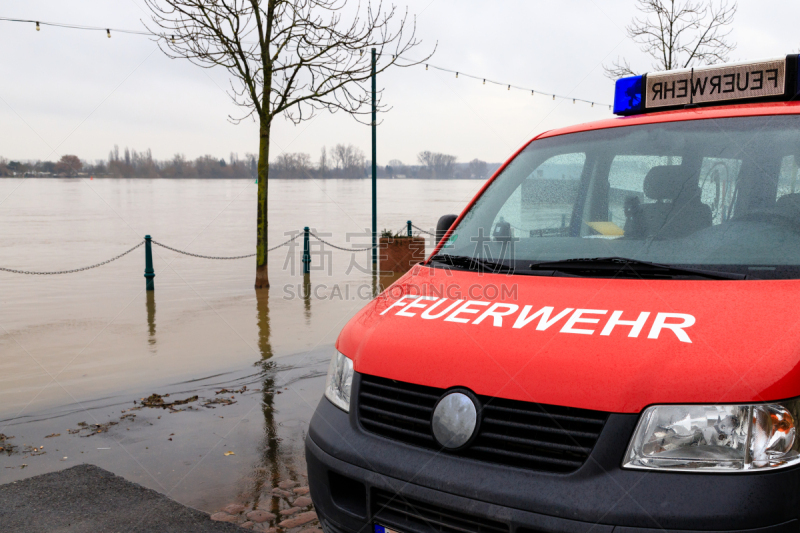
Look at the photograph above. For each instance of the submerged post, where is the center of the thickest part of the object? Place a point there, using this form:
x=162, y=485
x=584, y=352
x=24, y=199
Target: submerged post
x=408, y=227
x=149, y=273
x=306, y=252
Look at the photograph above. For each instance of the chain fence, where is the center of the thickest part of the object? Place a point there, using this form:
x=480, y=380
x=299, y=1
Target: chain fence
x=285, y=243
x=184, y=252
x=74, y=269
x=198, y=255
x=423, y=231
x=221, y=257
x=341, y=248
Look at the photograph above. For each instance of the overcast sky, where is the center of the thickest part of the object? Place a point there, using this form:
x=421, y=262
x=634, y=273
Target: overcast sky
x=76, y=92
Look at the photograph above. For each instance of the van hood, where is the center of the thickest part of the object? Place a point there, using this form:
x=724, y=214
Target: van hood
x=610, y=345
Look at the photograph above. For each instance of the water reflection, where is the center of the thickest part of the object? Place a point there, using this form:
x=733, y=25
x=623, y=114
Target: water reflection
x=307, y=297
x=269, y=474
x=277, y=463
x=262, y=320
x=151, y=318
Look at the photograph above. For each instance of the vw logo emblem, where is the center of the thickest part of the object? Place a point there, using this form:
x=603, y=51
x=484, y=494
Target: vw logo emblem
x=455, y=419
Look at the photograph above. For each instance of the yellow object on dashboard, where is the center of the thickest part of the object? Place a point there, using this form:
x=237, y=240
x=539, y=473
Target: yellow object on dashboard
x=606, y=228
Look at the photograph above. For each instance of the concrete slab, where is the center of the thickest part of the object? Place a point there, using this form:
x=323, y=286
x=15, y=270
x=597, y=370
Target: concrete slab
x=86, y=498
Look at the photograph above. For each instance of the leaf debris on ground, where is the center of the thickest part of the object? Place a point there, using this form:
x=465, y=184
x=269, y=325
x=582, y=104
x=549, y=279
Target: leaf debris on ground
x=232, y=391
x=6, y=446
x=33, y=450
x=91, y=429
x=157, y=400
x=223, y=401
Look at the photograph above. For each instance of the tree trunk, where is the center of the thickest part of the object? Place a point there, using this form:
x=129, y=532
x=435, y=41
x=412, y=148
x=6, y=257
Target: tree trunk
x=262, y=243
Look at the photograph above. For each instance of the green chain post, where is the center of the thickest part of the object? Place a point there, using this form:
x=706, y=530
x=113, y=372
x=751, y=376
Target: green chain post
x=149, y=273
x=408, y=227
x=306, y=252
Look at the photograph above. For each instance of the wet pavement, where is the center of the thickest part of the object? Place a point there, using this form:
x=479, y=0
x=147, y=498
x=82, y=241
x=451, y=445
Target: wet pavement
x=210, y=442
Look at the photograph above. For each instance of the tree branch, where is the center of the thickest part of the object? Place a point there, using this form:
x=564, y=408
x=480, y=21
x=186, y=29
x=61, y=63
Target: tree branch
x=679, y=34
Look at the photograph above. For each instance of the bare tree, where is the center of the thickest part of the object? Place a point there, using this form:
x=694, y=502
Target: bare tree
x=286, y=58
x=440, y=165
x=679, y=34
x=395, y=166
x=294, y=166
x=340, y=156
x=323, y=161
x=478, y=169
x=349, y=159
x=69, y=165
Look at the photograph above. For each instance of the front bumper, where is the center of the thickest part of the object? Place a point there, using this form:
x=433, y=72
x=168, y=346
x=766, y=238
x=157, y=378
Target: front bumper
x=358, y=479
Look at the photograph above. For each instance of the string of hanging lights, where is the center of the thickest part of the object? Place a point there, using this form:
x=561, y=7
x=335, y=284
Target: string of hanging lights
x=108, y=31
x=511, y=86
x=427, y=65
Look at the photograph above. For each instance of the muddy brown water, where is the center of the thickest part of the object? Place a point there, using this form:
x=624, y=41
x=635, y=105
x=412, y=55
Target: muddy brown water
x=80, y=348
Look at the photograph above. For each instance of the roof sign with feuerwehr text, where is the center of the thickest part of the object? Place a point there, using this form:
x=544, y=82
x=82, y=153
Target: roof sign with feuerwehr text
x=752, y=81
x=713, y=84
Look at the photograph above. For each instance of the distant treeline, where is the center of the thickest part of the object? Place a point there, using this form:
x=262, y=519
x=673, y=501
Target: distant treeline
x=340, y=161
x=347, y=161
x=133, y=164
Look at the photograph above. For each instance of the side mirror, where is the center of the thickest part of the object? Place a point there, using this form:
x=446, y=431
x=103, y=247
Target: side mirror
x=443, y=225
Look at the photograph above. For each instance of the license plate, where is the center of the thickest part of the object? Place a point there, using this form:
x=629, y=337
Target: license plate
x=383, y=529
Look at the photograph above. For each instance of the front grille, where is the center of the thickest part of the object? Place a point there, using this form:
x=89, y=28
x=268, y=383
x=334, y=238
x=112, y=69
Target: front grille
x=523, y=434
x=412, y=515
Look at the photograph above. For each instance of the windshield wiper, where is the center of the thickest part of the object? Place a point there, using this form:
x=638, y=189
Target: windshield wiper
x=471, y=263
x=613, y=265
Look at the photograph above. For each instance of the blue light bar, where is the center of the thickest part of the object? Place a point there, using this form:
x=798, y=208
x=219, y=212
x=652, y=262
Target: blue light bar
x=628, y=96
x=769, y=80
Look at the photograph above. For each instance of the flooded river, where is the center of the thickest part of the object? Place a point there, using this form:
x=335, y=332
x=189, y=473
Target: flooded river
x=76, y=350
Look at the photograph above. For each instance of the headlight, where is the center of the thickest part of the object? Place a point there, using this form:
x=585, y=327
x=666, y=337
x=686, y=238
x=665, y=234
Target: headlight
x=724, y=438
x=340, y=381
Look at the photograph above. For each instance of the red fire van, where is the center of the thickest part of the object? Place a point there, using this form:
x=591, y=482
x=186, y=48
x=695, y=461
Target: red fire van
x=607, y=339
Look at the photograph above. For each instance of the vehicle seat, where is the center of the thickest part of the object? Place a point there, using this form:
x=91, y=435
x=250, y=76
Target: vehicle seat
x=788, y=205
x=677, y=210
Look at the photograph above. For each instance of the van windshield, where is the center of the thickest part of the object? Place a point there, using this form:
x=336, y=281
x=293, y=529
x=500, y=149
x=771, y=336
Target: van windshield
x=719, y=195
